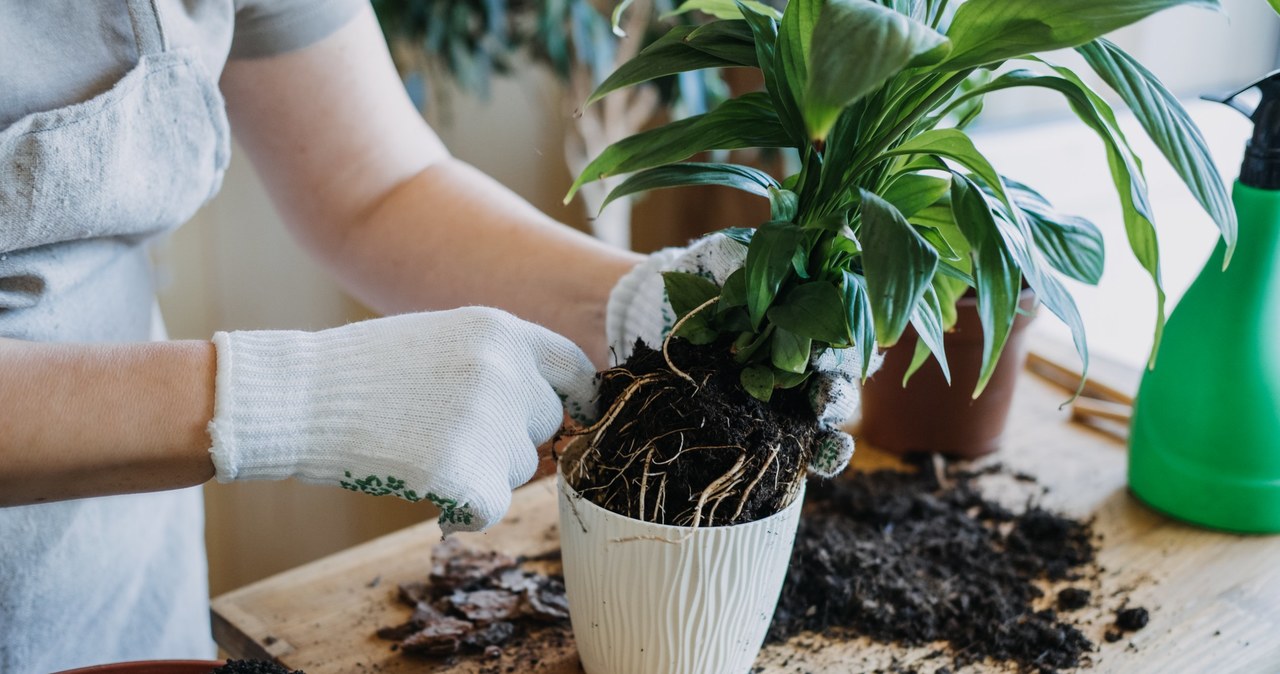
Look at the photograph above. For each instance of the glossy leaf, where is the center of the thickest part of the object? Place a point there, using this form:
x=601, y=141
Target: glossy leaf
x=687, y=292
x=767, y=40
x=723, y=9
x=1169, y=127
x=746, y=121
x=861, y=322
x=989, y=31
x=1070, y=244
x=814, y=310
x=789, y=351
x=899, y=264
x=783, y=204
x=927, y=321
x=743, y=178
x=682, y=49
x=734, y=292
x=856, y=46
x=758, y=381
x=740, y=234
x=995, y=272
x=913, y=192
x=768, y=264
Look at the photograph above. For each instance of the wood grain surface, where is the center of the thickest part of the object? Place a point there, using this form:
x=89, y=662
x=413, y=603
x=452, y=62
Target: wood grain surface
x=1214, y=598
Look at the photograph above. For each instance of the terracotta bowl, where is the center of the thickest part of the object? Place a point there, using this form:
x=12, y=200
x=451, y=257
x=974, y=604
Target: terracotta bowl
x=152, y=667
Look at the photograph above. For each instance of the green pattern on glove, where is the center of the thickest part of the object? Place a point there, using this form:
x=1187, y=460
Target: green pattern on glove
x=450, y=510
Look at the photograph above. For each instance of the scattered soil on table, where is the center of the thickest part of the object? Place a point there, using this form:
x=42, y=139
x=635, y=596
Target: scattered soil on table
x=692, y=451
x=918, y=557
x=1132, y=619
x=479, y=604
x=253, y=667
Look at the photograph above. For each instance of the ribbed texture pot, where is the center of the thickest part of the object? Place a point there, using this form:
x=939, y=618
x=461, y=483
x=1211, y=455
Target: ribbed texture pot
x=650, y=598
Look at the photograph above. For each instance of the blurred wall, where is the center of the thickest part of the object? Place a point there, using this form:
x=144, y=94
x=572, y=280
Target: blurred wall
x=234, y=267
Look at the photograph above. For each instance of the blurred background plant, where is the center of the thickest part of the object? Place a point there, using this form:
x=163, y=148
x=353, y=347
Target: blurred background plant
x=471, y=42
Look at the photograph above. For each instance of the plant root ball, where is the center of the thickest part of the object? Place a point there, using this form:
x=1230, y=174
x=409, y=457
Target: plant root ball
x=695, y=450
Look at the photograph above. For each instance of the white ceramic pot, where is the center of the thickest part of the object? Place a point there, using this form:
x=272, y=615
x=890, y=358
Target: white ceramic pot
x=651, y=598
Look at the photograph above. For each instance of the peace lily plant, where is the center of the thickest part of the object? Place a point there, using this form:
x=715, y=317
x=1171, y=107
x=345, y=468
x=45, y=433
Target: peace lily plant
x=894, y=213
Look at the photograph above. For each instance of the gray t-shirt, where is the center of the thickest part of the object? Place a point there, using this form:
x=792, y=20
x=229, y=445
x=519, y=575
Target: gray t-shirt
x=54, y=53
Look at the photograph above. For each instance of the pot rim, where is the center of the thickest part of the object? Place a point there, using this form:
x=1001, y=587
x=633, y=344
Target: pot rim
x=577, y=500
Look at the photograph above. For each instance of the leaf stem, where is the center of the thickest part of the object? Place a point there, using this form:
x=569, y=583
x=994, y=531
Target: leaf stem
x=916, y=113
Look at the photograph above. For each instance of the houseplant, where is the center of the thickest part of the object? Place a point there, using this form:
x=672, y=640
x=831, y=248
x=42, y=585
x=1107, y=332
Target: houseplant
x=892, y=216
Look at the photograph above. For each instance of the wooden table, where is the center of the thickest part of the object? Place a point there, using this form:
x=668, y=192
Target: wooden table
x=1214, y=598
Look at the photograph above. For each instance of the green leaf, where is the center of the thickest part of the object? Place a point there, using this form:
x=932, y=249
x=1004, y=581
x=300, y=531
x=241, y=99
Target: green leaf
x=722, y=44
x=989, y=31
x=1169, y=127
x=1069, y=243
x=740, y=234
x=722, y=9
x=912, y=192
x=789, y=352
x=783, y=379
x=918, y=359
x=951, y=144
x=1275, y=4
x=783, y=204
x=927, y=320
x=899, y=264
x=744, y=178
x=758, y=381
x=859, y=314
x=687, y=292
x=995, y=272
x=813, y=310
x=795, y=34
x=742, y=122
x=767, y=265
x=734, y=292
x=765, y=31
x=939, y=242
x=856, y=46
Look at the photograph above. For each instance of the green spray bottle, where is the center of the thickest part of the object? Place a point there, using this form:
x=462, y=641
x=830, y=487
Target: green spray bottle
x=1205, y=436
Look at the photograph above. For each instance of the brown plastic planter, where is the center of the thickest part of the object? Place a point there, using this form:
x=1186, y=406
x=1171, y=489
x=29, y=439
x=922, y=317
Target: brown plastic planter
x=152, y=667
x=930, y=416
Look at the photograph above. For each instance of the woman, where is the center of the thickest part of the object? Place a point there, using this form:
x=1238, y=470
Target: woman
x=113, y=129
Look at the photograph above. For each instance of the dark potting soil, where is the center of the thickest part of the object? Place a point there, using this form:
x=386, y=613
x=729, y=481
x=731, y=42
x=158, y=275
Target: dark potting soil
x=253, y=667
x=675, y=451
x=922, y=556
x=479, y=603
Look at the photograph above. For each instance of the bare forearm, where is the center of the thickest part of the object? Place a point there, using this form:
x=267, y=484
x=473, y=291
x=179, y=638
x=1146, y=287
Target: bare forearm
x=370, y=189
x=92, y=420
x=451, y=236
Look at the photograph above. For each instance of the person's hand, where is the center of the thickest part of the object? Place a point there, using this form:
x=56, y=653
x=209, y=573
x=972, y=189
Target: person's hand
x=446, y=407
x=638, y=308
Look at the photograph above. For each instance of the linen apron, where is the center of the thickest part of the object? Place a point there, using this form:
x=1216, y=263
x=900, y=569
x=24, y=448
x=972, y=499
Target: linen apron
x=82, y=189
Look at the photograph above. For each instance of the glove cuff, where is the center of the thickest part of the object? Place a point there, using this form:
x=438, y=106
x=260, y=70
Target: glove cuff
x=633, y=296
x=275, y=407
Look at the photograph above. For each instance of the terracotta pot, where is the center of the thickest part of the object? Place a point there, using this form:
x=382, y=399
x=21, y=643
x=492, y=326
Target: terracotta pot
x=930, y=416
x=152, y=667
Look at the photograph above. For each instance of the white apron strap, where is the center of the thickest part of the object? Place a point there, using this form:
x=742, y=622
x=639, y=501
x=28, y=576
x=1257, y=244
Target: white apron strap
x=146, y=27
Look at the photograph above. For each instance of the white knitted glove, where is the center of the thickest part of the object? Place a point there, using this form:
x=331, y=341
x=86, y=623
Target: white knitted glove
x=638, y=308
x=446, y=406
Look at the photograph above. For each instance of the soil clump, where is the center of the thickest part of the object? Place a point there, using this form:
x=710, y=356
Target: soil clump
x=918, y=557
x=477, y=602
x=692, y=448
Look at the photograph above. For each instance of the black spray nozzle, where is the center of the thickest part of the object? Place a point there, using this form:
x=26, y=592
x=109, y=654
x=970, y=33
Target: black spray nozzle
x=1261, y=167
